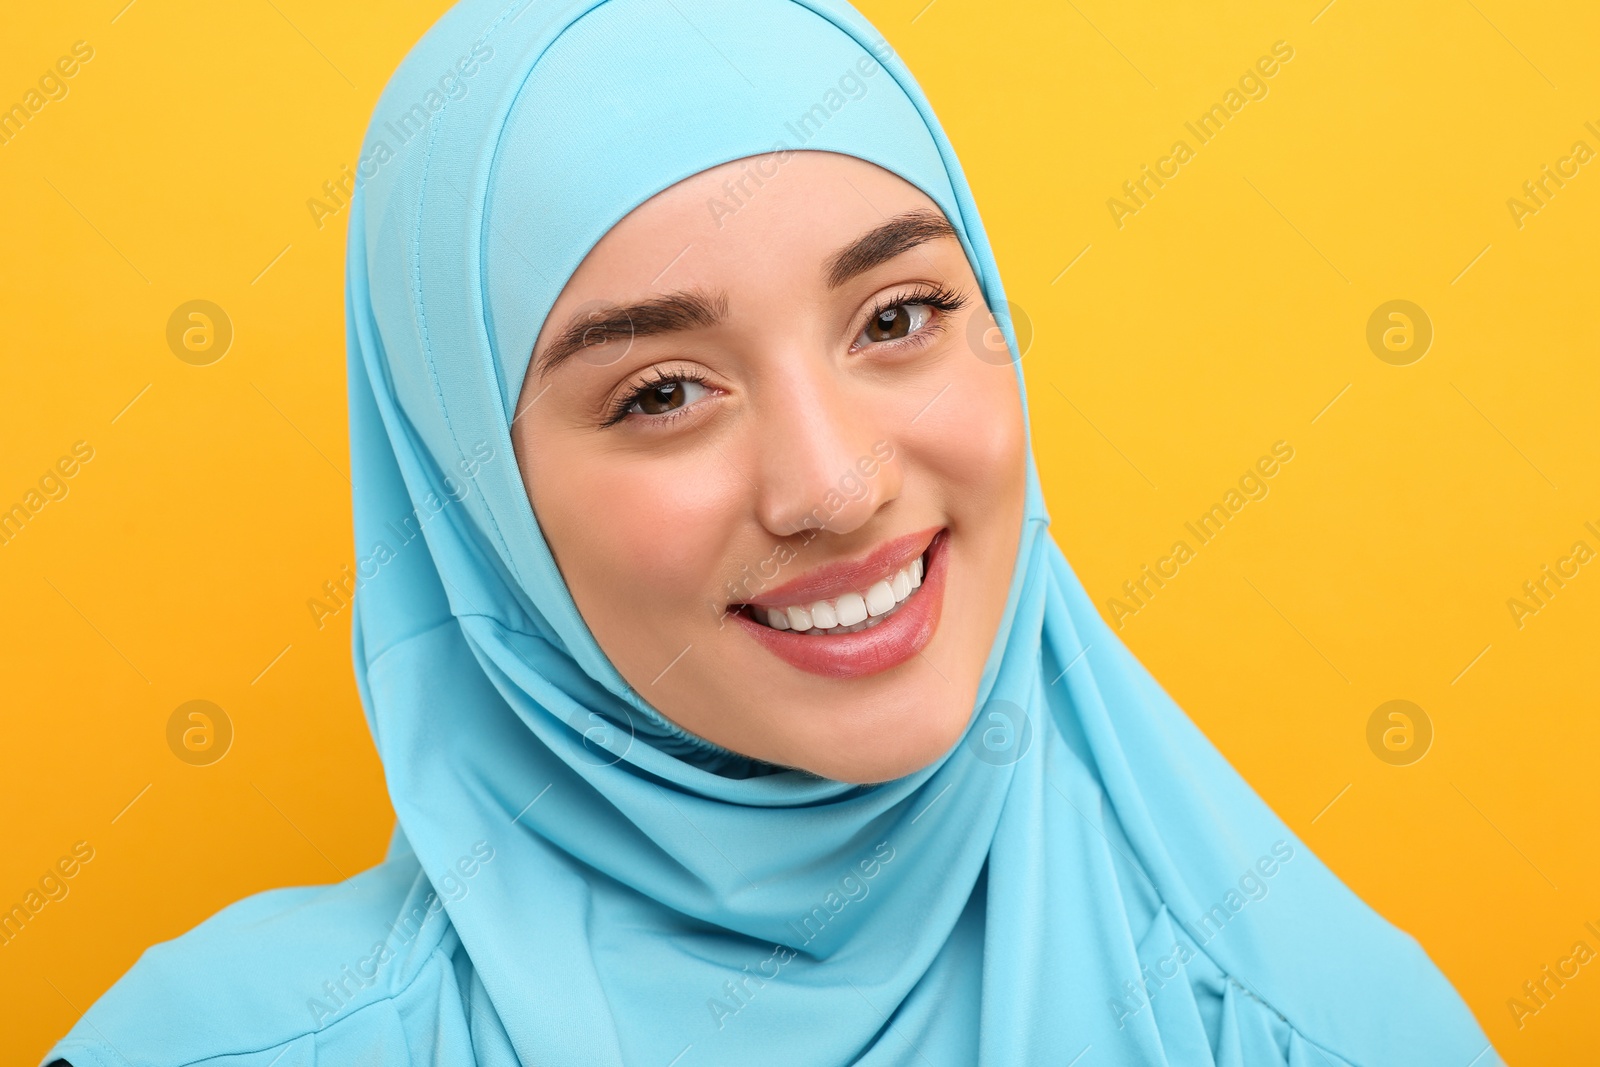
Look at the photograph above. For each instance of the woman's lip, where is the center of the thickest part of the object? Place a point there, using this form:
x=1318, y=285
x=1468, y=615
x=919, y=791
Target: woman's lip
x=890, y=643
x=848, y=576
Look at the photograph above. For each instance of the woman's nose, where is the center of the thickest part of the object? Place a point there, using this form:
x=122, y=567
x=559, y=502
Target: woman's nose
x=827, y=462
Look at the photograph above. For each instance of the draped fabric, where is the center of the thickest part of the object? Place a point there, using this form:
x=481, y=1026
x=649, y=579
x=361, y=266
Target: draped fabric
x=1082, y=879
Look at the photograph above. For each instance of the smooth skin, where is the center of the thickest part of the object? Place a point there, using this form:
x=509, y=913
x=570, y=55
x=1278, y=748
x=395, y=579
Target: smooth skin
x=710, y=444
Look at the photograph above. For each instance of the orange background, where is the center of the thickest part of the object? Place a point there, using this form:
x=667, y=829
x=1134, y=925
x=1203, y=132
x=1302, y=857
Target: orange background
x=1228, y=313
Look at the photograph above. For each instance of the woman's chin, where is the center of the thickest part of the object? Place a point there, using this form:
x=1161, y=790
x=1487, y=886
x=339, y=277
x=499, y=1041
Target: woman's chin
x=875, y=744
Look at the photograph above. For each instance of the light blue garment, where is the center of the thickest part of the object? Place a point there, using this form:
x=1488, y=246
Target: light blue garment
x=580, y=882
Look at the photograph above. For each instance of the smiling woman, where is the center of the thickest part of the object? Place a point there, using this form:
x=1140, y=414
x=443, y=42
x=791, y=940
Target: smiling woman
x=724, y=397
x=684, y=807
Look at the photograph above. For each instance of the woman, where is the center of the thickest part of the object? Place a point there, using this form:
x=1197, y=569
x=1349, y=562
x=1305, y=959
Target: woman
x=785, y=732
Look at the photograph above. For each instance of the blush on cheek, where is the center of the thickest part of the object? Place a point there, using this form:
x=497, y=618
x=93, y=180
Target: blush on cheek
x=977, y=448
x=993, y=456
x=643, y=554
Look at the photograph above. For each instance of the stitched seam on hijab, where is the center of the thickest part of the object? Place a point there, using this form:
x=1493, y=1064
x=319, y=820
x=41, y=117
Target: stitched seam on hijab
x=374, y=657
x=502, y=388
x=82, y=1054
x=94, y=1049
x=1229, y=975
x=493, y=168
x=1294, y=1029
x=1253, y=996
x=422, y=315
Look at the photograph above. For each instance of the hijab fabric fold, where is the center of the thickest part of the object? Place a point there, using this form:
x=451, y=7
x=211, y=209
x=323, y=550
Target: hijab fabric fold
x=577, y=880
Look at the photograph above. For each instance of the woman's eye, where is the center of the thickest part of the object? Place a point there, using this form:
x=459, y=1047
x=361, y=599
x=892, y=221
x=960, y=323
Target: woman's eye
x=896, y=322
x=662, y=398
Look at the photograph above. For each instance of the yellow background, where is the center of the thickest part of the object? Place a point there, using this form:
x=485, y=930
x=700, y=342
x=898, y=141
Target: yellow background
x=1225, y=315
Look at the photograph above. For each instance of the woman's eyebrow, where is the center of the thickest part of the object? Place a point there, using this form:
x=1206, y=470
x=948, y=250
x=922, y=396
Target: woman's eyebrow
x=692, y=309
x=900, y=234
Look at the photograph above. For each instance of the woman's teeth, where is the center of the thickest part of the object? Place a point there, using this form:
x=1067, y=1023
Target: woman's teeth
x=849, y=613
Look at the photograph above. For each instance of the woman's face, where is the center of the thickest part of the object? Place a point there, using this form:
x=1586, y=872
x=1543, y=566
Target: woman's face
x=776, y=447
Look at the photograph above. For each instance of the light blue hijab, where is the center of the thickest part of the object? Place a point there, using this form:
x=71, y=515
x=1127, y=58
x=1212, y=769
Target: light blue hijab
x=1082, y=880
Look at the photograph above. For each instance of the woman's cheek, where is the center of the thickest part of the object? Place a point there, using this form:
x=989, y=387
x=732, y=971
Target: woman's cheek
x=650, y=534
x=977, y=442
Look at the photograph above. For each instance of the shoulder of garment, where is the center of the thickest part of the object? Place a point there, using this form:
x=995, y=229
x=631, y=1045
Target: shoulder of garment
x=285, y=977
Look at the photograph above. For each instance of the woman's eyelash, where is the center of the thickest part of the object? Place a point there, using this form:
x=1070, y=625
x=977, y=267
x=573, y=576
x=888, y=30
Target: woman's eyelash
x=941, y=297
x=658, y=378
